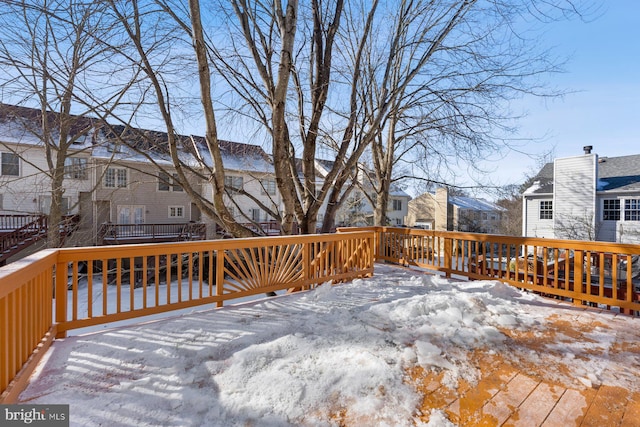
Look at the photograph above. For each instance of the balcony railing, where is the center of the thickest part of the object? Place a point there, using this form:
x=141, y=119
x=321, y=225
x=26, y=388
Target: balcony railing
x=15, y=221
x=117, y=234
x=105, y=284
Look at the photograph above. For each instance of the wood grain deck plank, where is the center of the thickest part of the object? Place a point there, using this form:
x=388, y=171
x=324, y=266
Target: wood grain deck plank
x=607, y=407
x=631, y=417
x=467, y=410
x=537, y=406
x=502, y=405
x=570, y=409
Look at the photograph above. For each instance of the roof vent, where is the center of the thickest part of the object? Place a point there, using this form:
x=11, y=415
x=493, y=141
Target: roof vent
x=587, y=149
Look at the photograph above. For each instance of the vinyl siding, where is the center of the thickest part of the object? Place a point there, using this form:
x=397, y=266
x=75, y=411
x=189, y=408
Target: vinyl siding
x=618, y=231
x=536, y=227
x=142, y=190
x=574, y=196
x=21, y=194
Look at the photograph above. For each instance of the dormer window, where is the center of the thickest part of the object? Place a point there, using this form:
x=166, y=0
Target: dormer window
x=114, y=147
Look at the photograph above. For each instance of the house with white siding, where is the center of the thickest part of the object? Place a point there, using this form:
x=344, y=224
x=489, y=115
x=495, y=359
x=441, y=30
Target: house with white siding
x=25, y=184
x=585, y=197
x=108, y=182
x=252, y=194
x=357, y=210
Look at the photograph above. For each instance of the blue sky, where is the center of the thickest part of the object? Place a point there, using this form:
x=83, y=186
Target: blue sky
x=603, y=76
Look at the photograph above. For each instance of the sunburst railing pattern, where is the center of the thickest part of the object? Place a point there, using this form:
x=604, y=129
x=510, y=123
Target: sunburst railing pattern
x=263, y=269
x=98, y=285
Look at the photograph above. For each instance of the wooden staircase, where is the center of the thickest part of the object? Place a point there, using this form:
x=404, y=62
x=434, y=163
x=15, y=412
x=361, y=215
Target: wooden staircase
x=32, y=229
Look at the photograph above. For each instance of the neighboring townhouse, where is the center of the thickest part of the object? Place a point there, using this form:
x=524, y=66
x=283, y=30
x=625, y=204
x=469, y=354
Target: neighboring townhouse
x=585, y=197
x=398, y=206
x=249, y=179
x=25, y=186
x=132, y=189
x=358, y=210
x=440, y=211
x=107, y=182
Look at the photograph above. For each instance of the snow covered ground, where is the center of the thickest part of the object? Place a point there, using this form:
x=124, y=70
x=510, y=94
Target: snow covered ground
x=337, y=354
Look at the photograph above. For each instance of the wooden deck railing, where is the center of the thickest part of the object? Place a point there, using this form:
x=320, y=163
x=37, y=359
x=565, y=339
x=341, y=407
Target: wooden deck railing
x=590, y=273
x=96, y=285
x=105, y=284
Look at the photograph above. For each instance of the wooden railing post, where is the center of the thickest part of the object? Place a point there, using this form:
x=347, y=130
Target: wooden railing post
x=306, y=262
x=448, y=255
x=578, y=272
x=220, y=275
x=61, y=296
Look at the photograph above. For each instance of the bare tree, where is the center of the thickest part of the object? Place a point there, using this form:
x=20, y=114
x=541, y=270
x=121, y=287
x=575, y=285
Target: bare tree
x=283, y=73
x=511, y=218
x=577, y=227
x=52, y=54
x=454, y=66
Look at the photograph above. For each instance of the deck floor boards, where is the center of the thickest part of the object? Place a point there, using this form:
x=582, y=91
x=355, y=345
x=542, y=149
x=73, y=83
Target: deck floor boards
x=509, y=393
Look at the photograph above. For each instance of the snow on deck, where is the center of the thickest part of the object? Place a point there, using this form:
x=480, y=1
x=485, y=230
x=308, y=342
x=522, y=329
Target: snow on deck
x=369, y=352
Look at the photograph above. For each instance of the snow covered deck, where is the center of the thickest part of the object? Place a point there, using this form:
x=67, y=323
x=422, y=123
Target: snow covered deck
x=401, y=348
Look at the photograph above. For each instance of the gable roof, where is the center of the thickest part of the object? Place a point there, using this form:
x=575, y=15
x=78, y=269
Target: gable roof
x=619, y=173
x=614, y=173
x=236, y=156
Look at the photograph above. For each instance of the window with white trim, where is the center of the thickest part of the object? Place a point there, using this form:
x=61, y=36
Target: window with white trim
x=632, y=210
x=257, y=215
x=10, y=164
x=115, y=178
x=75, y=168
x=397, y=204
x=168, y=182
x=611, y=210
x=546, y=209
x=233, y=182
x=176, y=211
x=268, y=186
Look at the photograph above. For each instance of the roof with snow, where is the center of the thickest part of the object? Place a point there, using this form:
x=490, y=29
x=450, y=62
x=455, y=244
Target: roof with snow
x=236, y=156
x=398, y=192
x=470, y=203
x=22, y=125
x=614, y=174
